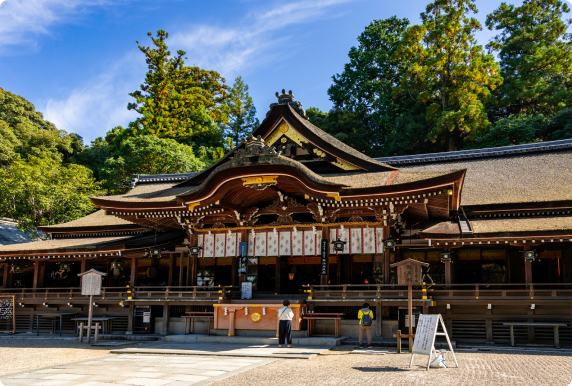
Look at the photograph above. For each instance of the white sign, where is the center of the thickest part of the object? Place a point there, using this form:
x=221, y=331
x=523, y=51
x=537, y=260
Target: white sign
x=246, y=290
x=91, y=284
x=146, y=317
x=6, y=308
x=407, y=321
x=425, y=334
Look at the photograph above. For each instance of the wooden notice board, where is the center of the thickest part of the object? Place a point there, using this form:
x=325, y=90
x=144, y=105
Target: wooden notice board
x=7, y=314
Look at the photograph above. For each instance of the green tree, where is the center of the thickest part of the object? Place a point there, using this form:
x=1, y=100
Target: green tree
x=44, y=192
x=559, y=126
x=448, y=72
x=94, y=156
x=241, y=112
x=346, y=126
x=175, y=100
x=148, y=154
x=24, y=132
x=535, y=54
x=517, y=129
x=365, y=89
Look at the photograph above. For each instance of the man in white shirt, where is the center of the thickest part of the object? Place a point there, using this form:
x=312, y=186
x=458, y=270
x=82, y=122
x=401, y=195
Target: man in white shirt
x=285, y=316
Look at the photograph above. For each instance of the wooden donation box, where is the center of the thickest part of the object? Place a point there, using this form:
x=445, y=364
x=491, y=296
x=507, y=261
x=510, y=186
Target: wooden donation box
x=244, y=316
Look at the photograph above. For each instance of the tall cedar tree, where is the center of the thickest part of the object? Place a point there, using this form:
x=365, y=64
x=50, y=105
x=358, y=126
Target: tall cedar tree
x=448, y=72
x=175, y=100
x=241, y=112
x=535, y=53
x=365, y=87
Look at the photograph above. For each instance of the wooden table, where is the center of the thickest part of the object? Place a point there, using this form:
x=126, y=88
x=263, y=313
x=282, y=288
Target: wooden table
x=53, y=317
x=555, y=325
x=190, y=320
x=107, y=322
x=336, y=317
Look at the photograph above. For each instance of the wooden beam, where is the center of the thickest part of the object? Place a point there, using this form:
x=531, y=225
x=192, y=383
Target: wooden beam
x=228, y=205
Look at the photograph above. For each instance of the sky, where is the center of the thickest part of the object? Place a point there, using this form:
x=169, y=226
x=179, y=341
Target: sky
x=77, y=60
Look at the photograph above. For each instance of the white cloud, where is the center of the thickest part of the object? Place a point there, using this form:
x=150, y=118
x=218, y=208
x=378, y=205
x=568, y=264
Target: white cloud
x=251, y=43
x=100, y=104
x=21, y=20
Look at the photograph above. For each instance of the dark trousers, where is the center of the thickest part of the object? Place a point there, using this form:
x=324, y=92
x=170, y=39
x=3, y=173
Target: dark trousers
x=285, y=331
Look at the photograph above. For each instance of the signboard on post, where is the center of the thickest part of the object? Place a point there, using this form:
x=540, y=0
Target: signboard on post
x=425, y=337
x=91, y=285
x=7, y=314
x=324, y=255
x=246, y=290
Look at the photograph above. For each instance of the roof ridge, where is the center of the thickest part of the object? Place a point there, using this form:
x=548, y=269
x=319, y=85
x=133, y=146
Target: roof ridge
x=501, y=151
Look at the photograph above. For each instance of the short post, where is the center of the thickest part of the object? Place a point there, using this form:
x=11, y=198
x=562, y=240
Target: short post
x=96, y=336
x=556, y=337
x=399, y=341
x=90, y=315
x=81, y=332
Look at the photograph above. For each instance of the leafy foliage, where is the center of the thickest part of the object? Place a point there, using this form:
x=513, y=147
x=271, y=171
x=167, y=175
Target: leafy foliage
x=25, y=133
x=365, y=88
x=149, y=155
x=448, y=72
x=514, y=130
x=175, y=100
x=535, y=53
x=43, y=192
x=241, y=112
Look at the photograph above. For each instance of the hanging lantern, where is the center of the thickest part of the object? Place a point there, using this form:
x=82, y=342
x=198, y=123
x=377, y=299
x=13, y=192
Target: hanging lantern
x=195, y=250
x=446, y=256
x=531, y=255
x=389, y=243
x=155, y=252
x=116, y=267
x=18, y=283
x=65, y=267
x=15, y=268
x=339, y=245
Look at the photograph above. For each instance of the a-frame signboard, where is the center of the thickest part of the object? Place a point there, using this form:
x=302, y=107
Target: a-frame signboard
x=424, y=343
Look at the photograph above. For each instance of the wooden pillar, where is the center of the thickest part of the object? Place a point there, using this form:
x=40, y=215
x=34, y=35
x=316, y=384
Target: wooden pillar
x=5, y=275
x=448, y=274
x=8, y=277
x=181, y=268
x=166, y=317
x=189, y=280
x=194, y=268
x=378, y=316
x=386, y=252
x=130, y=318
x=37, y=263
x=489, y=326
x=410, y=311
x=234, y=273
x=192, y=263
x=324, y=278
x=171, y=269
x=527, y=266
x=83, y=267
x=133, y=279
x=277, y=275
x=231, y=330
x=530, y=336
x=41, y=274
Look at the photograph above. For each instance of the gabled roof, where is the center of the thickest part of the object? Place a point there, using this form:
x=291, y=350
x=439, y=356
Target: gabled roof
x=97, y=222
x=528, y=174
x=316, y=136
x=9, y=234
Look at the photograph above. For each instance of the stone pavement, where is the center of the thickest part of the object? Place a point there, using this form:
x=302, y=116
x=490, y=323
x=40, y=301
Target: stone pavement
x=137, y=370
x=221, y=349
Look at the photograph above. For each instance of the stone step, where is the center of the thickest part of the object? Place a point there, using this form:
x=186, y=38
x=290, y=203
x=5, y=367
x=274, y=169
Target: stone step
x=253, y=340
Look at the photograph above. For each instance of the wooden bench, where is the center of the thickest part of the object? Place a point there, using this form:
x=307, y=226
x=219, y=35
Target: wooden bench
x=555, y=325
x=190, y=320
x=336, y=317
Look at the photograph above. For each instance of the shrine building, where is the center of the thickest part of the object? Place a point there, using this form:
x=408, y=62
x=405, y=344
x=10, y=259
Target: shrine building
x=494, y=226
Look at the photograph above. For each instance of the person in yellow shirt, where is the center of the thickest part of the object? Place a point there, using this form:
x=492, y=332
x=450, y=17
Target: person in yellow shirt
x=365, y=316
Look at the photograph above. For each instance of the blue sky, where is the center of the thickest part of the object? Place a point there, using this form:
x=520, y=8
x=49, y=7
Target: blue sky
x=77, y=60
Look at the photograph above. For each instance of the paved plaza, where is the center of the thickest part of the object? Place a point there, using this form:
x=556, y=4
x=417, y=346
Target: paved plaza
x=341, y=366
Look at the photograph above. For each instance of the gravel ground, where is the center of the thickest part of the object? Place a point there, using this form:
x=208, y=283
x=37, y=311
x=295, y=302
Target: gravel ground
x=479, y=368
x=28, y=354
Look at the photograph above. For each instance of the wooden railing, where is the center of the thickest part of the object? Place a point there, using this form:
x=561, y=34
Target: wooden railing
x=71, y=294
x=520, y=291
